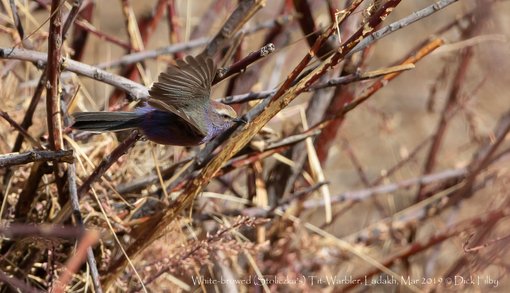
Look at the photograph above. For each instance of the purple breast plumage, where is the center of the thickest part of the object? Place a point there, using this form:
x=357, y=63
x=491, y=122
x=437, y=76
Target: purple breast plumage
x=167, y=128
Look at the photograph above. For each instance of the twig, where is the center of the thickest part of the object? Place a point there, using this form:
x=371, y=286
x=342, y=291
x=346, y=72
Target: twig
x=356, y=163
x=237, y=162
x=133, y=32
x=242, y=64
x=73, y=264
x=138, y=184
x=346, y=79
x=271, y=148
x=53, y=112
x=247, y=97
x=73, y=194
x=16, y=20
x=309, y=28
x=194, y=248
x=451, y=195
x=484, y=157
x=368, y=92
x=364, y=194
x=22, y=131
x=397, y=25
x=401, y=163
x=330, y=83
x=27, y=119
x=433, y=152
x=75, y=203
x=343, y=95
x=52, y=87
x=471, y=249
x=268, y=212
x=20, y=230
x=244, y=11
x=80, y=35
x=86, y=26
x=105, y=164
x=475, y=222
x=71, y=17
x=36, y=156
x=17, y=284
x=174, y=27
x=148, y=23
x=135, y=89
x=29, y=192
x=151, y=54
x=277, y=35
x=453, y=96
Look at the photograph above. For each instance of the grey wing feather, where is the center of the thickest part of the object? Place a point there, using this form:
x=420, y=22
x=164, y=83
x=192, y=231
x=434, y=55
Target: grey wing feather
x=184, y=89
x=106, y=121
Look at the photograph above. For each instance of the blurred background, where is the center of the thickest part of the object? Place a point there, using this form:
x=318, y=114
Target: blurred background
x=440, y=118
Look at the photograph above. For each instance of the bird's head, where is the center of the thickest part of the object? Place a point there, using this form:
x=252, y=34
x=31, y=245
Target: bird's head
x=222, y=115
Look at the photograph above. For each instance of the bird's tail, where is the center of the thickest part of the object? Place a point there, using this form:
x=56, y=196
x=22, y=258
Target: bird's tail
x=106, y=121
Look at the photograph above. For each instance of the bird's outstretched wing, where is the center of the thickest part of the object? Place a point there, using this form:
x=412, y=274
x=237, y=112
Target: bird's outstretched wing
x=184, y=90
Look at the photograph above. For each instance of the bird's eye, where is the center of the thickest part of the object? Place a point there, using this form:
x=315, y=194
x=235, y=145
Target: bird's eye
x=225, y=116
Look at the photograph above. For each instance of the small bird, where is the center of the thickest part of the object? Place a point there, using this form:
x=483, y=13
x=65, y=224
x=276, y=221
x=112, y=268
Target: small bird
x=178, y=111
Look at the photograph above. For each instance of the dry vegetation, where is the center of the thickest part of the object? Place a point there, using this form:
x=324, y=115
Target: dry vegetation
x=374, y=155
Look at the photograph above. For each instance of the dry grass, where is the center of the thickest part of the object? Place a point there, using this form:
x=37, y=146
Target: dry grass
x=394, y=178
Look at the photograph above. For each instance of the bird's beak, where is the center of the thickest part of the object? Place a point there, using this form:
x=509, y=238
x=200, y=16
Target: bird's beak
x=240, y=119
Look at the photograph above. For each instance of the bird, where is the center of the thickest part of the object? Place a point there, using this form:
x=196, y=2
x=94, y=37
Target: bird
x=178, y=111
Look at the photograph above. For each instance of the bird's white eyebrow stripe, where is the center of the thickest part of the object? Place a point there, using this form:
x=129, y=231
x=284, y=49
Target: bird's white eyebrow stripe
x=225, y=111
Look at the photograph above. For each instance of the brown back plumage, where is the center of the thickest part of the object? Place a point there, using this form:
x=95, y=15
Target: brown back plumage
x=184, y=90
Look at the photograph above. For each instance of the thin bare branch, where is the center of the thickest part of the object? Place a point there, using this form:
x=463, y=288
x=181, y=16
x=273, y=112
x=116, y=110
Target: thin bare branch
x=36, y=156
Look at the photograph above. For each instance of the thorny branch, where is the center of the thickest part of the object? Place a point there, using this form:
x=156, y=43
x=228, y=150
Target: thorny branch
x=241, y=165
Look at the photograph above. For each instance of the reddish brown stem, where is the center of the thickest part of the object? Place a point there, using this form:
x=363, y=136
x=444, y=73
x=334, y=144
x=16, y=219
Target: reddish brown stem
x=174, y=26
x=242, y=64
x=52, y=87
x=307, y=24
